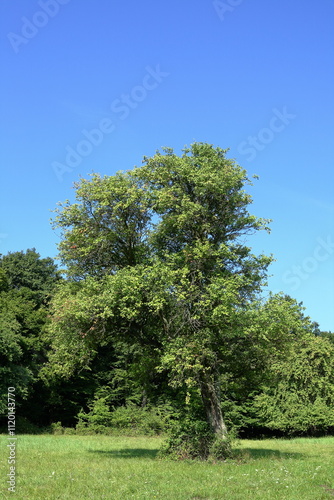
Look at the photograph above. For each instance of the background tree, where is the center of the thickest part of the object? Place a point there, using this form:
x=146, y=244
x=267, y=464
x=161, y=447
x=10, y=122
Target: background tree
x=270, y=381
x=299, y=398
x=26, y=285
x=27, y=270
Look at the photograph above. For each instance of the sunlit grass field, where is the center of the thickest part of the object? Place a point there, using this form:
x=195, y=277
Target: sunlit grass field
x=124, y=468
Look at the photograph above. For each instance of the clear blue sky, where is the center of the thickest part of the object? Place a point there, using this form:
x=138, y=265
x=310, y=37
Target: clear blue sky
x=253, y=76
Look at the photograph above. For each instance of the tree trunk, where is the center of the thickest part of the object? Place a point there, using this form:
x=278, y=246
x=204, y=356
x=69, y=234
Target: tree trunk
x=211, y=402
x=144, y=398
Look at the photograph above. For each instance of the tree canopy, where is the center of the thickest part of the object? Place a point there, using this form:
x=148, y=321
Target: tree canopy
x=159, y=256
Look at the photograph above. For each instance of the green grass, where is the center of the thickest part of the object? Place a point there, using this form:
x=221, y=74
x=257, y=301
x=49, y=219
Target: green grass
x=124, y=468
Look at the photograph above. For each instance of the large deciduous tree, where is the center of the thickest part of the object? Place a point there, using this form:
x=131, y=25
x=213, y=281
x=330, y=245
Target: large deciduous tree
x=160, y=258
x=203, y=210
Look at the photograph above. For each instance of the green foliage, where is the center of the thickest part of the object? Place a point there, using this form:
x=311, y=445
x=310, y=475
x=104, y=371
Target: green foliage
x=26, y=283
x=278, y=368
x=328, y=335
x=13, y=372
x=4, y=281
x=190, y=435
x=97, y=418
x=125, y=419
x=192, y=438
x=221, y=448
x=69, y=431
x=24, y=426
x=198, y=196
x=144, y=420
x=106, y=229
x=300, y=398
x=57, y=428
x=188, y=439
x=28, y=270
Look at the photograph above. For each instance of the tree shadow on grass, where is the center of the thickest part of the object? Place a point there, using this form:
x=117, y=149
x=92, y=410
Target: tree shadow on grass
x=258, y=453
x=243, y=454
x=128, y=453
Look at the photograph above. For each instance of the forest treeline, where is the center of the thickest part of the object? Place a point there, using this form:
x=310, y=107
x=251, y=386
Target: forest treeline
x=157, y=315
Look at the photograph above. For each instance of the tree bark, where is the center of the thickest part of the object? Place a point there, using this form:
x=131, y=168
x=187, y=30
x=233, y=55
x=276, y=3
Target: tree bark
x=211, y=402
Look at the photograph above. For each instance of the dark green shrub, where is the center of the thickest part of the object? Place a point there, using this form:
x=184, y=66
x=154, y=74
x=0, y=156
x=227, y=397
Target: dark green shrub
x=188, y=439
x=97, y=419
x=69, y=431
x=129, y=419
x=221, y=449
x=192, y=438
x=300, y=399
x=143, y=420
x=23, y=426
x=56, y=428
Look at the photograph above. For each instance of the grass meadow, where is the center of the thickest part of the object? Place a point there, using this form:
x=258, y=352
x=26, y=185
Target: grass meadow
x=124, y=468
